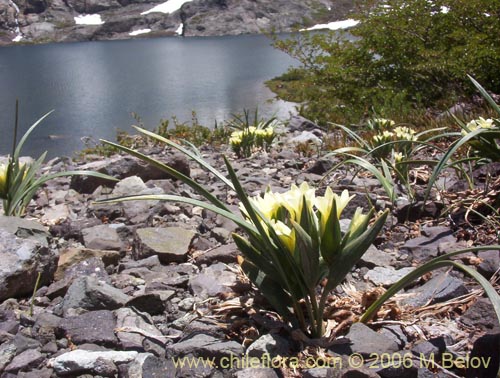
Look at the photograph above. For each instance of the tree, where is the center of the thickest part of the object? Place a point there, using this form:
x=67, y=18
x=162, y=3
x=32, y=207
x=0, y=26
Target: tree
x=402, y=54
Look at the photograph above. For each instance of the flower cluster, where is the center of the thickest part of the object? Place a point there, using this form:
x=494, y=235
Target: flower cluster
x=283, y=210
x=480, y=123
x=244, y=142
x=398, y=140
x=378, y=124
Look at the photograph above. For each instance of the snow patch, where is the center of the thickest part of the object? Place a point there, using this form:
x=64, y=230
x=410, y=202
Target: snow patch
x=88, y=19
x=335, y=25
x=180, y=29
x=168, y=6
x=18, y=38
x=140, y=31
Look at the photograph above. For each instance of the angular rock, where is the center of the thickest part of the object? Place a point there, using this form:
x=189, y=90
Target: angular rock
x=204, y=346
x=28, y=359
x=374, y=257
x=386, y=276
x=169, y=244
x=101, y=237
x=82, y=361
x=45, y=327
x=21, y=261
x=425, y=247
x=212, y=281
x=272, y=344
x=91, y=294
x=226, y=253
x=121, y=167
x=481, y=315
x=133, y=328
x=256, y=373
x=42, y=373
x=152, y=303
x=365, y=341
x=490, y=263
x=95, y=327
x=72, y=256
x=438, y=289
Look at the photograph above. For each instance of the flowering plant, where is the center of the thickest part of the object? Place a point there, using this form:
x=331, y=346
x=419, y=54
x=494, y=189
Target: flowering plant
x=20, y=181
x=293, y=239
x=244, y=142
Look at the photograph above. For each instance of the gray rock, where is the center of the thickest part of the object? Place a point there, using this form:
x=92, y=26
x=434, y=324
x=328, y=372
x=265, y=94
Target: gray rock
x=92, y=268
x=45, y=327
x=272, y=344
x=256, y=373
x=427, y=246
x=7, y=353
x=226, y=253
x=22, y=260
x=152, y=303
x=121, y=167
x=299, y=123
x=212, y=281
x=91, y=294
x=386, y=276
x=95, y=327
x=305, y=137
x=41, y=373
x=133, y=328
x=101, y=237
x=72, y=256
x=374, y=257
x=438, y=289
x=395, y=333
x=365, y=341
x=148, y=262
x=490, y=263
x=204, y=346
x=169, y=244
x=481, y=315
x=28, y=359
x=82, y=361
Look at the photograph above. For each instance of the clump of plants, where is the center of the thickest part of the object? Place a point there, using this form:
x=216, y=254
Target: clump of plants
x=249, y=136
x=293, y=240
x=19, y=181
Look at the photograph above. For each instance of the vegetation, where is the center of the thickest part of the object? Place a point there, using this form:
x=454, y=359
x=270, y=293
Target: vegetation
x=401, y=57
x=294, y=239
x=19, y=181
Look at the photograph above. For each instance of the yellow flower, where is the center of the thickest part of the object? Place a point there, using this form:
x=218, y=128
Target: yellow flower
x=398, y=156
x=480, y=123
x=285, y=233
x=325, y=204
x=3, y=180
x=267, y=205
x=293, y=199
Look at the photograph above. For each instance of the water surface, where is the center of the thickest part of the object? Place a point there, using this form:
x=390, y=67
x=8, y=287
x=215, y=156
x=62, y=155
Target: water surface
x=95, y=86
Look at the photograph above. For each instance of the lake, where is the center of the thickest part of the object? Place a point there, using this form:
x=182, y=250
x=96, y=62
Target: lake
x=95, y=86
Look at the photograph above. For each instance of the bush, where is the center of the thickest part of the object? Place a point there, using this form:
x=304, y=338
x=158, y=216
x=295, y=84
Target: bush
x=401, y=55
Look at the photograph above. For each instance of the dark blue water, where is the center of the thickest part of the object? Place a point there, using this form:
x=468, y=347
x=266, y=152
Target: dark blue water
x=94, y=86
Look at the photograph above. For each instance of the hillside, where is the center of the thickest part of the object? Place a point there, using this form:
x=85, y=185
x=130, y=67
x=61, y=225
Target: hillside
x=43, y=21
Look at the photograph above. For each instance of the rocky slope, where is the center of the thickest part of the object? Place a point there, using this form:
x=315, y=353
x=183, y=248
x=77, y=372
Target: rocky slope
x=41, y=21
x=129, y=290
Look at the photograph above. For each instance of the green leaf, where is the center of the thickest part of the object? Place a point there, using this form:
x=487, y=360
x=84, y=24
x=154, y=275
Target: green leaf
x=173, y=172
x=352, y=252
x=20, y=145
x=273, y=292
x=307, y=255
x=166, y=197
x=332, y=237
x=188, y=153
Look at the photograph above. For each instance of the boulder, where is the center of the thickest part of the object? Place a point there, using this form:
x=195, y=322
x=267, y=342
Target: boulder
x=121, y=167
x=170, y=244
x=24, y=252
